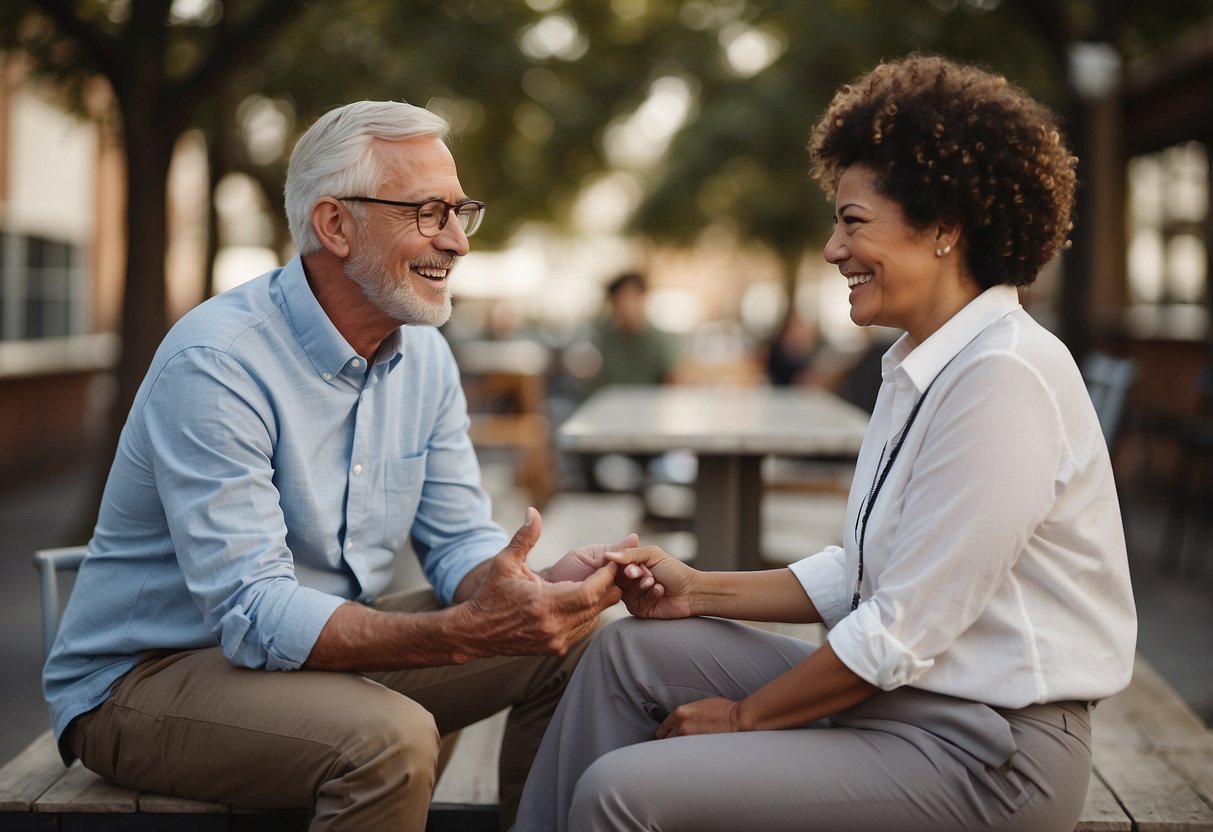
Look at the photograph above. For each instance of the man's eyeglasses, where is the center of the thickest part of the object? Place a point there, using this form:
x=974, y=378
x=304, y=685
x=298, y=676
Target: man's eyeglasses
x=432, y=214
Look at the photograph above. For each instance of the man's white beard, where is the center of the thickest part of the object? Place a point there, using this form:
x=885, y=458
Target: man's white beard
x=368, y=268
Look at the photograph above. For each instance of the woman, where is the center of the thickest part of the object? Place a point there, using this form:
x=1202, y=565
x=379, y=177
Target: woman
x=981, y=600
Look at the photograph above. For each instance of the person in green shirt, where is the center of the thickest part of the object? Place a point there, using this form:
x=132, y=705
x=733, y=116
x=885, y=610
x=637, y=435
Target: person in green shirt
x=633, y=351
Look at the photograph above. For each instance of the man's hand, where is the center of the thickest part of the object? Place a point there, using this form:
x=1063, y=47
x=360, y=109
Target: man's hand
x=578, y=564
x=669, y=595
x=514, y=612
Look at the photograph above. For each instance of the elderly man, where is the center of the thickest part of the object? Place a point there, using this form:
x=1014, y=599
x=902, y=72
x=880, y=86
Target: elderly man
x=290, y=436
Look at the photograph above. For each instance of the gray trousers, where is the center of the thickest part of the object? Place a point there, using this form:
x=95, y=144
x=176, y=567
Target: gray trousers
x=359, y=751
x=903, y=761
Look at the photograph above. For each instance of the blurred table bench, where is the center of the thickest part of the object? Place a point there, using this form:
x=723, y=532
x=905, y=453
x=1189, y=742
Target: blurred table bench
x=505, y=385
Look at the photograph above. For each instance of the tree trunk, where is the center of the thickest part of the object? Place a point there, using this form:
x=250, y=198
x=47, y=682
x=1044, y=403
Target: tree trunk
x=148, y=150
x=216, y=169
x=1074, y=302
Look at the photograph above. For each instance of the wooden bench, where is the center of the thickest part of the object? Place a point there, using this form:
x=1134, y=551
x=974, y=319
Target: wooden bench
x=1153, y=762
x=1153, y=773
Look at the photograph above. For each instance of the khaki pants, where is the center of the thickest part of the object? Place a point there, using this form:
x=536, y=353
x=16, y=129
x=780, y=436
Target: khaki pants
x=357, y=750
x=902, y=761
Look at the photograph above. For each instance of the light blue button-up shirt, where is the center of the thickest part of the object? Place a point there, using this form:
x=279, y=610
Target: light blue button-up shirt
x=264, y=476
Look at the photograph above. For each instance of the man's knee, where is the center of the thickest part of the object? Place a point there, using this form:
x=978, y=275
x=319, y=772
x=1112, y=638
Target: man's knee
x=397, y=737
x=383, y=773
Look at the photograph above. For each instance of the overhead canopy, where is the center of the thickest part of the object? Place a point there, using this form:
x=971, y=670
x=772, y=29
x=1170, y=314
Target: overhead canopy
x=1168, y=98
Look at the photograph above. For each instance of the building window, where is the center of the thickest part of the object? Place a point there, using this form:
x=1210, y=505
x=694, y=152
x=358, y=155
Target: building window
x=1168, y=260
x=43, y=289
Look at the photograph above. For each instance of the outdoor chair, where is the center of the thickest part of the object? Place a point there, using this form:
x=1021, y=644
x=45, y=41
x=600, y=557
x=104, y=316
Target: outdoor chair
x=49, y=563
x=1109, y=380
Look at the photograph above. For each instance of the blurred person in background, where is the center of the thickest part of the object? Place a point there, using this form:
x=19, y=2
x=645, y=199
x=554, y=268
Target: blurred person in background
x=981, y=602
x=624, y=347
x=631, y=349
x=231, y=635
x=792, y=350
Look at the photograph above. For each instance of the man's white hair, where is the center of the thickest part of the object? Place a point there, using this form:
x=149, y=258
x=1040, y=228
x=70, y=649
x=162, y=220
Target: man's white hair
x=334, y=157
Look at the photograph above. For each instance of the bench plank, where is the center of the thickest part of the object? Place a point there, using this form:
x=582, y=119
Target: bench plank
x=1102, y=812
x=1150, y=714
x=29, y=774
x=79, y=787
x=1156, y=796
x=1196, y=764
x=166, y=804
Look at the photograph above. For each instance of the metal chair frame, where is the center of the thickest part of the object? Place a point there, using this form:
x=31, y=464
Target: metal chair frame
x=50, y=563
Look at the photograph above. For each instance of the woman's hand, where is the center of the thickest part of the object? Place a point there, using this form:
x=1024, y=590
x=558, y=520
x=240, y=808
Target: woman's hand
x=582, y=562
x=714, y=715
x=654, y=584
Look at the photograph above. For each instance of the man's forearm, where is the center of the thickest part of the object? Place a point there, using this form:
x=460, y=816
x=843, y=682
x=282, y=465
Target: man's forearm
x=360, y=638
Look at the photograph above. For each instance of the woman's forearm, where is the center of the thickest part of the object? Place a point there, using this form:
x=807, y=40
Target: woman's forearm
x=819, y=686
x=768, y=595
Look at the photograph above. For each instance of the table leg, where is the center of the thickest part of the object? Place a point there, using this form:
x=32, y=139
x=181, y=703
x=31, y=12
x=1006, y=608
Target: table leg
x=728, y=513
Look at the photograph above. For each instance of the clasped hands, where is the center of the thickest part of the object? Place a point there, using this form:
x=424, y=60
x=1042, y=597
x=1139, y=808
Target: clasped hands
x=519, y=611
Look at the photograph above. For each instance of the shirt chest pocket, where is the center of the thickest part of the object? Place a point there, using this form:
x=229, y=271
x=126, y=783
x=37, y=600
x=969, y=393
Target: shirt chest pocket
x=403, y=482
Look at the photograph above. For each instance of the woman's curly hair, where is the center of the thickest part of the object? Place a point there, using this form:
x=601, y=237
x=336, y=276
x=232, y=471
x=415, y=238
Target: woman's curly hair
x=956, y=143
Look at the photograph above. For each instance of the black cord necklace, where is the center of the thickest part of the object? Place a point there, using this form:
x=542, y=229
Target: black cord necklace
x=878, y=478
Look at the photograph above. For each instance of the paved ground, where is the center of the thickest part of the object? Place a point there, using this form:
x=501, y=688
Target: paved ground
x=1176, y=613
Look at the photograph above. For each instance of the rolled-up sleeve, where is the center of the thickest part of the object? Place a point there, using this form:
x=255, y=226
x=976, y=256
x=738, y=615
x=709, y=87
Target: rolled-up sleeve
x=824, y=578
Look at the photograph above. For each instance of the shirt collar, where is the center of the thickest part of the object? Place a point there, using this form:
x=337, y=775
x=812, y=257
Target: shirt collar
x=325, y=346
x=922, y=363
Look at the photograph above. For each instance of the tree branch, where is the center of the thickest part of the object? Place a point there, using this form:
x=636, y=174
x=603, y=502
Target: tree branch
x=1053, y=25
x=239, y=45
x=99, y=48
x=1110, y=22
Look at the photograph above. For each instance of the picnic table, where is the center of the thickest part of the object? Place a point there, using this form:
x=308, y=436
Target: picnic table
x=731, y=430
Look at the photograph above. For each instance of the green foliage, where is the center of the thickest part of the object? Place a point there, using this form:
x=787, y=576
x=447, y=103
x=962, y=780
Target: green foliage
x=532, y=113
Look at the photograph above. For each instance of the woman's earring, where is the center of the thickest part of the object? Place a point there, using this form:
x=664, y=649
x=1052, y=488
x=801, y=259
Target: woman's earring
x=940, y=252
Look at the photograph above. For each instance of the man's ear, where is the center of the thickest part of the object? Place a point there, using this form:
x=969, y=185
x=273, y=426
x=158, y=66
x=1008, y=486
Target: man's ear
x=332, y=226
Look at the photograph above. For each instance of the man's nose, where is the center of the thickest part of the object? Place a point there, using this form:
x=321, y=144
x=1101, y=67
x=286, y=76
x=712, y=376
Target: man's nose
x=451, y=237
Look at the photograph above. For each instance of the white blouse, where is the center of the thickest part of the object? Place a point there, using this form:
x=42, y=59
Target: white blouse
x=994, y=557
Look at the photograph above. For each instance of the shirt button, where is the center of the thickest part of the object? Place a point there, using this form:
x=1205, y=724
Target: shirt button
x=358, y=469
x=357, y=362
x=328, y=376
x=349, y=544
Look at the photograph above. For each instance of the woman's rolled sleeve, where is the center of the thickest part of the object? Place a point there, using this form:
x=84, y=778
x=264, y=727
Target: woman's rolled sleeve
x=863, y=643
x=824, y=578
